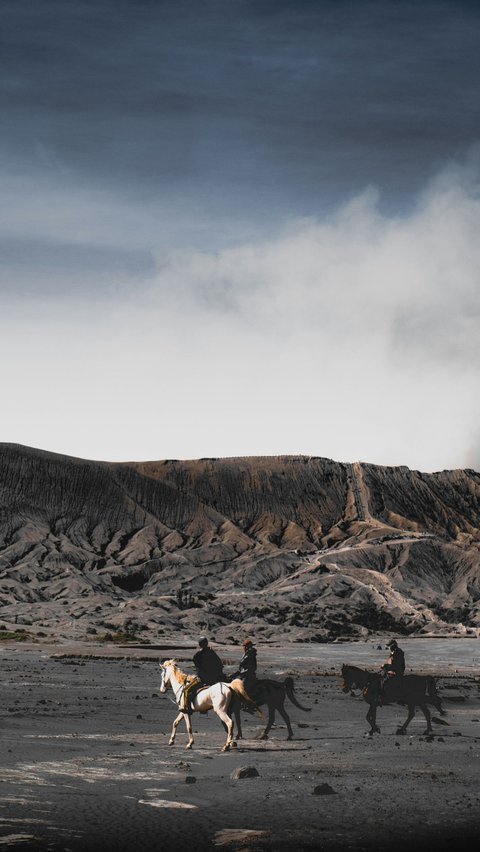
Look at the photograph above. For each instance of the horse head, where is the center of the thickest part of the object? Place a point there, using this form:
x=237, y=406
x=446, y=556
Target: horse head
x=165, y=672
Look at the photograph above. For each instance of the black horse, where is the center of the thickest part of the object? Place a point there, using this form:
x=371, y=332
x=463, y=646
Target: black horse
x=273, y=694
x=411, y=690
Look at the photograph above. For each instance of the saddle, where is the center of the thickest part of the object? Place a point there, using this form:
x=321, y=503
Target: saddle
x=389, y=687
x=191, y=690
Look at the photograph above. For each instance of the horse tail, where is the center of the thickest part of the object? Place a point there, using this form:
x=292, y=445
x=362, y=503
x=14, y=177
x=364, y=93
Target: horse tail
x=433, y=695
x=238, y=687
x=439, y=721
x=288, y=684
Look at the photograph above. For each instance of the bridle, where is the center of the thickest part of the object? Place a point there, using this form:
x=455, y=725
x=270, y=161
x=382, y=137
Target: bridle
x=166, y=682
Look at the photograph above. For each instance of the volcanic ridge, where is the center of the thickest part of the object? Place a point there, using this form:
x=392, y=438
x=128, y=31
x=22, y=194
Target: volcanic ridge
x=291, y=548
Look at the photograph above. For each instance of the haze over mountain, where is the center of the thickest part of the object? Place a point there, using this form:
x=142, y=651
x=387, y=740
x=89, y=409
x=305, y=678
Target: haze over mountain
x=291, y=547
x=272, y=204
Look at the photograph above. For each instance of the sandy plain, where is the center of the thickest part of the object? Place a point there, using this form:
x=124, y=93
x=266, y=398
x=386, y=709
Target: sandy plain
x=85, y=762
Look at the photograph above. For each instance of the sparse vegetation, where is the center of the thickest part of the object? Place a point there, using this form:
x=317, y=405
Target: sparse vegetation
x=454, y=615
x=186, y=600
x=122, y=637
x=373, y=618
x=15, y=635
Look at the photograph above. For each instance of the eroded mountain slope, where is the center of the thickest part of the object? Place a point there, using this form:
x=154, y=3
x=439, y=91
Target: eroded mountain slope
x=299, y=546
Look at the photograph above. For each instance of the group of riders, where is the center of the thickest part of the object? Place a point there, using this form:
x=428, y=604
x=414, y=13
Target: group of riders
x=209, y=669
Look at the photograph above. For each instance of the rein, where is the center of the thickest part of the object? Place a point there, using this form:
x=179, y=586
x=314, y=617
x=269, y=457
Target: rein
x=175, y=700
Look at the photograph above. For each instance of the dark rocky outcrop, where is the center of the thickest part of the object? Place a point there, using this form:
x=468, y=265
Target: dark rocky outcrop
x=288, y=547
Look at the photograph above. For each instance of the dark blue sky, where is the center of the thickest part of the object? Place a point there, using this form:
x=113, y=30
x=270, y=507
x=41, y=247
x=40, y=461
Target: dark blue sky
x=243, y=109
x=135, y=133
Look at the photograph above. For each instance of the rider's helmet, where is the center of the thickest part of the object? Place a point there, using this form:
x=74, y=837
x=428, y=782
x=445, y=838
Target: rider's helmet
x=392, y=644
x=203, y=641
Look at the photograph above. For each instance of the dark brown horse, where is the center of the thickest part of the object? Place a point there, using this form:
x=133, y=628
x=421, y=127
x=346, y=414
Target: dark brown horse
x=412, y=690
x=273, y=694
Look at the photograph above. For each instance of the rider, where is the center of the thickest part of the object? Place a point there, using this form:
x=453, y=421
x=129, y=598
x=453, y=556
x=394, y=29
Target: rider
x=209, y=669
x=208, y=664
x=395, y=665
x=248, y=666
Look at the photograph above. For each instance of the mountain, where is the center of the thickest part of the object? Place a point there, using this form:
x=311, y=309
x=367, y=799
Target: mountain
x=286, y=547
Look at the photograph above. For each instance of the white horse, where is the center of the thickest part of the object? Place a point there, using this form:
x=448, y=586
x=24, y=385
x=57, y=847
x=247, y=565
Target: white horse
x=217, y=697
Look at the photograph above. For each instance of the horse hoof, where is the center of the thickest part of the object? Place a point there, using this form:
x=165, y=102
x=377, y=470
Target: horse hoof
x=290, y=738
x=189, y=745
x=234, y=745
x=400, y=732
x=226, y=748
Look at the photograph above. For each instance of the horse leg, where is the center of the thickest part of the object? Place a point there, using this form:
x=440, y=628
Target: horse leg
x=188, y=723
x=411, y=713
x=234, y=711
x=226, y=731
x=286, y=719
x=271, y=720
x=369, y=720
x=225, y=718
x=428, y=717
x=372, y=720
x=434, y=696
x=238, y=721
x=176, y=722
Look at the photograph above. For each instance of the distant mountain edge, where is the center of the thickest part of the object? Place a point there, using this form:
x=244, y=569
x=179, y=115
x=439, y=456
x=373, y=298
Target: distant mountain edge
x=298, y=548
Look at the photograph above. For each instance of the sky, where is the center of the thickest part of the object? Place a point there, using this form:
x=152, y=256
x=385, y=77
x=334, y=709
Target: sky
x=241, y=227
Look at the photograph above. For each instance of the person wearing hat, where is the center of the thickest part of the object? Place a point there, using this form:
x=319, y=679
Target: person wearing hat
x=248, y=666
x=395, y=664
x=208, y=664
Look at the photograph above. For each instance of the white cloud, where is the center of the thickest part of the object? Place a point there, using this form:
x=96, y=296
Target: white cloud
x=354, y=337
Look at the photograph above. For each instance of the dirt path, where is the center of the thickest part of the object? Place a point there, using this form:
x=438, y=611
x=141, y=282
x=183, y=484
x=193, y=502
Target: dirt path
x=360, y=492
x=86, y=765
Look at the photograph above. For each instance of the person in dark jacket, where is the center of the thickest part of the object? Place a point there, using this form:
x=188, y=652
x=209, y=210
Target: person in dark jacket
x=248, y=666
x=394, y=667
x=208, y=664
x=395, y=664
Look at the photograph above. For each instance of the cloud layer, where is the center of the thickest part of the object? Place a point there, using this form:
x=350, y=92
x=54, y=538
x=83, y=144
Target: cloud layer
x=355, y=337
